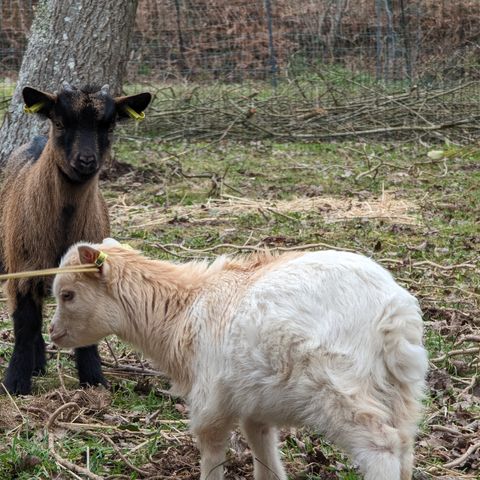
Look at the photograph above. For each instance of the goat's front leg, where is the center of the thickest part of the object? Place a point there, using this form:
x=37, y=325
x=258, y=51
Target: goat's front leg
x=39, y=357
x=88, y=362
x=263, y=440
x=212, y=443
x=27, y=327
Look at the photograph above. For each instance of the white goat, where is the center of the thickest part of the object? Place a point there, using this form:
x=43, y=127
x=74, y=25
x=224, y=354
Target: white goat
x=325, y=339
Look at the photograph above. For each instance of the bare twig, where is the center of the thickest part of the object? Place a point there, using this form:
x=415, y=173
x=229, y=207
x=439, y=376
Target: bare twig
x=463, y=458
x=74, y=468
x=58, y=411
x=250, y=247
x=120, y=454
x=51, y=446
x=132, y=369
x=453, y=353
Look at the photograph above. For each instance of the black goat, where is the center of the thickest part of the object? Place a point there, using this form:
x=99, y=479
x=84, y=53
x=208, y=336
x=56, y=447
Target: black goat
x=49, y=200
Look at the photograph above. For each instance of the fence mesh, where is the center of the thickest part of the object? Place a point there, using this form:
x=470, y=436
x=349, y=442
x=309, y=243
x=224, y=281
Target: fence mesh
x=390, y=40
x=328, y=51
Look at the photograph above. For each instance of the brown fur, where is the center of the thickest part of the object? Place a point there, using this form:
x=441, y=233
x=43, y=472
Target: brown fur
x=50, y=199
x=33, y=199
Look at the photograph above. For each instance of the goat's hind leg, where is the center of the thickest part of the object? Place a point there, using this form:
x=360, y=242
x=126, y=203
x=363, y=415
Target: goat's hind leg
x=212, y=431
x=375, y=446
x=27, y=326
x=263, y=440
x=88, y=362
x=363, y=431
x=406, y=470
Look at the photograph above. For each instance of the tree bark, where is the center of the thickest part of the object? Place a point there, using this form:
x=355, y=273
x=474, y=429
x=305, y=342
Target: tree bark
x=78, y=41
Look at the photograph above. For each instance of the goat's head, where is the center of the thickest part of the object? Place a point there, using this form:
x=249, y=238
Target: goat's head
x=87, y=310
x=82, y=124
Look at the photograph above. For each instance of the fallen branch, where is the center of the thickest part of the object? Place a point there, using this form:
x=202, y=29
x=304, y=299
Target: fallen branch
x=51, y=445
x=58, y=411
x=291, y=114
x=468, y=338
x=463, y=458
x=453, y=353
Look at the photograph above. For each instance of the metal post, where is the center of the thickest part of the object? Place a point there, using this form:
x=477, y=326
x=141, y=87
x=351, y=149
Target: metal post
x=378, y=39
x=406, y=42
x=391, y=49
x=182, y=62
x=273, y=58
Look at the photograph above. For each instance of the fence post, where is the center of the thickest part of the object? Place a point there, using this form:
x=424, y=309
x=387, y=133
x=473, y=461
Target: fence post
x=378, y=39
x=182, y=62
x=273, y=58
x=391, y=47
x=406, y=41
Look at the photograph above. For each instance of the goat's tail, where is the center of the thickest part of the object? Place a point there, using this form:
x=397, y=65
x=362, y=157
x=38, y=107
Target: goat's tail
x=405, y=357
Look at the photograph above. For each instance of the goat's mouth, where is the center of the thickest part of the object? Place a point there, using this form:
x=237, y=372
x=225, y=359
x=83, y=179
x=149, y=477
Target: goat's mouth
x=56, y=337
x=72, y=175
x=83, y=174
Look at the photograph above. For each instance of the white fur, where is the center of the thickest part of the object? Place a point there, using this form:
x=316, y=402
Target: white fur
x=315, y=342
x=325, y=339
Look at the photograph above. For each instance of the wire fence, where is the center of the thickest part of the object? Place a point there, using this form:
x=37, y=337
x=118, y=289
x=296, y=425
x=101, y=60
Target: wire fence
x=327, y=52
x=390, y=40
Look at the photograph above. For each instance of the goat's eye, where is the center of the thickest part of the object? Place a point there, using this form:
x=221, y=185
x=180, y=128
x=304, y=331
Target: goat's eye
x=67, y=295
x=59, y=125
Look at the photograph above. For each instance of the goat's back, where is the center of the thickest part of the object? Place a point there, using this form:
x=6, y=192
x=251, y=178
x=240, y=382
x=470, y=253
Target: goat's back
x=24, y=155
x=320, y=322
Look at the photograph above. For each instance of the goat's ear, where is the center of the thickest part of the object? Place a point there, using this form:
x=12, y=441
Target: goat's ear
x=37, y=101
x=133, y=106
x=88, y=254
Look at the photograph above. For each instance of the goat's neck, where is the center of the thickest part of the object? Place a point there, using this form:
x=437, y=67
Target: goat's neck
x=157, y=320
x=61, y=189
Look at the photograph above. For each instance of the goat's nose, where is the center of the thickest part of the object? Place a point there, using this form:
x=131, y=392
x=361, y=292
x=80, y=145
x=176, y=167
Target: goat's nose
x=87, y=160
x=87, y=163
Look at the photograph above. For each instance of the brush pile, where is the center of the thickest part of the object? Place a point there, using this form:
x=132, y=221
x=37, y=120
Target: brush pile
x=315, y=110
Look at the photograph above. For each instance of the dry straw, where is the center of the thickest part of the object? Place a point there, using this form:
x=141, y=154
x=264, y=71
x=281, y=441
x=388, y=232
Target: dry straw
x=386, y=208
x=88, y=267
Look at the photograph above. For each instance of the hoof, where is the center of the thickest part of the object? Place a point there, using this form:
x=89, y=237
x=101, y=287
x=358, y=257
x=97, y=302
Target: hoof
x=39, y=372
x=16, y=386
x=94, y=381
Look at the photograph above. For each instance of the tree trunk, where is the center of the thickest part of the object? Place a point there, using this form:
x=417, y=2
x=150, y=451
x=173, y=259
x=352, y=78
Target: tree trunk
x=78, y=41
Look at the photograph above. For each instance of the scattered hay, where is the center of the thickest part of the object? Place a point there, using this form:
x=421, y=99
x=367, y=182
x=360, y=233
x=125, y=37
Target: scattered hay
x=10, y=417
x=91, y=401
x=36, y=410
x=333, y=209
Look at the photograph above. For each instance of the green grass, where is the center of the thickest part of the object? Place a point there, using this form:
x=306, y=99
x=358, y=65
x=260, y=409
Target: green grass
x=170, y=183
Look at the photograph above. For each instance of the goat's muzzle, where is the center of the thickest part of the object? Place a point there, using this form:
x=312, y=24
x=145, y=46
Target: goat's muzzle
x=55, y=334
x=86, y=164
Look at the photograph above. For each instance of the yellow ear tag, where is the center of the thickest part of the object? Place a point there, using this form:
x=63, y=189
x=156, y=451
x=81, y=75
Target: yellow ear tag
x=101, y=259
x=135, y=115
x=34, y=108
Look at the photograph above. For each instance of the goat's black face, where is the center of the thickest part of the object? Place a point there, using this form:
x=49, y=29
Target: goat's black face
x=82, y=128
x=83, y=121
